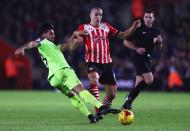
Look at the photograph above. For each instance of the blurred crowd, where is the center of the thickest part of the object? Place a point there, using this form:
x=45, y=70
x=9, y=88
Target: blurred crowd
x=19, y=21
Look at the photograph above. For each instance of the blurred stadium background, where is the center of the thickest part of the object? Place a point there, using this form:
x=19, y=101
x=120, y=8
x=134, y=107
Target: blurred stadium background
x=19, y=21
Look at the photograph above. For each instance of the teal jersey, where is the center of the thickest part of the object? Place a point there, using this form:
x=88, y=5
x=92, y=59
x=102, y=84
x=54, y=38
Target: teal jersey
x=52, y=56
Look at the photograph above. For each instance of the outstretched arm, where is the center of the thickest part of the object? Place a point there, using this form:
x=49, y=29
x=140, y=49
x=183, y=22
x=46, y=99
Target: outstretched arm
x=66, y=45
x=29, y=45
x=74, y=40
x=126, y=34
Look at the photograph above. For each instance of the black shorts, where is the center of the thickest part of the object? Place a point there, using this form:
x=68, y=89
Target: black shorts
x=142, y=64
x=105, y=71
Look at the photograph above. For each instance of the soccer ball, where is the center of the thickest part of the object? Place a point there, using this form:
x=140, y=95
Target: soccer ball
x=126, y=117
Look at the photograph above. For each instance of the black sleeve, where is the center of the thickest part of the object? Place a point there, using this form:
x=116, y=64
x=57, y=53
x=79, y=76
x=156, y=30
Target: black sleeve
x=157, y=32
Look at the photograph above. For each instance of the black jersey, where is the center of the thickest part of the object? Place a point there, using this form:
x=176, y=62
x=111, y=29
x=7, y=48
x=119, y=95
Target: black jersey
x=144, y=37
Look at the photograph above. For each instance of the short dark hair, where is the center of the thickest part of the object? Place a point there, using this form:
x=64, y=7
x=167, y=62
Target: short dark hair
x=44, y=27
x=149, y=11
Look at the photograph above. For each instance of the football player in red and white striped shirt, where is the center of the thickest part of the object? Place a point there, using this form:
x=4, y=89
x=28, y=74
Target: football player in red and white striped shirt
x=97, y=53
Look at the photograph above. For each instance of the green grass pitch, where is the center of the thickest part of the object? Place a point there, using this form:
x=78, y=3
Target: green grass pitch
x=50, y=111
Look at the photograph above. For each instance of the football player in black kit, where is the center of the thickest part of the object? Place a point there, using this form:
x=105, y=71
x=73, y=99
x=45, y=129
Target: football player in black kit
x=142, y=41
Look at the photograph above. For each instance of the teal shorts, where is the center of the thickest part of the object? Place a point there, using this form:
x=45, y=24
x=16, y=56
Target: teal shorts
x=64, y=80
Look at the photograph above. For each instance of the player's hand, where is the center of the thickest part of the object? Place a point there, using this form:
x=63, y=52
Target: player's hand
x=140, y=50
x=159, y=39
x=84, y=33
x=78, y=40
x=19, y=52
x=136, y=23
x=80, y=33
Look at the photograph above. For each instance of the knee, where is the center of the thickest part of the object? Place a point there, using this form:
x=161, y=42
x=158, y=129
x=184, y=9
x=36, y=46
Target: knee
x=93, y=78
x=93, y=81
x=149, y=81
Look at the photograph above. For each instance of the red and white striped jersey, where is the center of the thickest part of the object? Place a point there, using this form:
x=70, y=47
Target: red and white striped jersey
x=97, y=42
